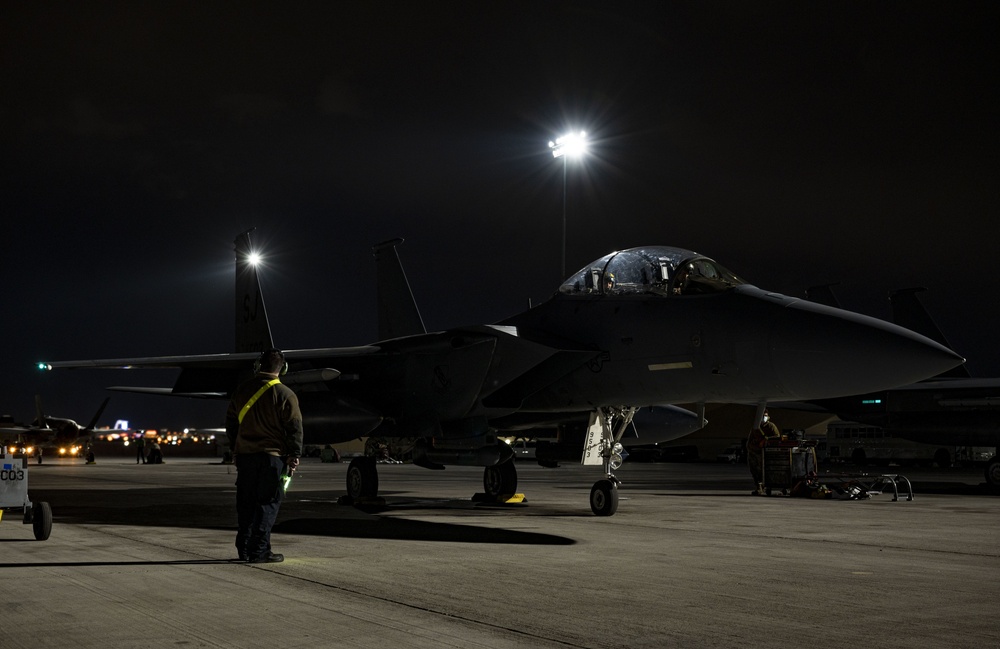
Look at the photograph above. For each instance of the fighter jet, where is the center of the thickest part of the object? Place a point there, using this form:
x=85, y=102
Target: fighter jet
x=64, y=435
x=637, y=328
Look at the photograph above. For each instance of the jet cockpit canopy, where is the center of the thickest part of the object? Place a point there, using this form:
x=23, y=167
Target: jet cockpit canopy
x=661, y=270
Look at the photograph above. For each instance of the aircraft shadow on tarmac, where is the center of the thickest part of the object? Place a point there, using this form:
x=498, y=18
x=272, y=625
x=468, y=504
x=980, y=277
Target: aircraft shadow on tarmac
x=410, y=530
x=87, y=564
x=306, y=514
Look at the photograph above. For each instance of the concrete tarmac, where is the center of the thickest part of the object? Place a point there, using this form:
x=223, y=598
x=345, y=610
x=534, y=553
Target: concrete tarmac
x=139, y=556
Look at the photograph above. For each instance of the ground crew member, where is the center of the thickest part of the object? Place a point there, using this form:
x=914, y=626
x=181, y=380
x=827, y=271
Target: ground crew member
x=766, y=430
x=155, y=454
x=264, y=426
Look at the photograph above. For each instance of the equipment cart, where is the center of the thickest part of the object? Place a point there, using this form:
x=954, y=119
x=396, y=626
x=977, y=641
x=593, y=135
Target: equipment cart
x=14, y=495
x=786, y=462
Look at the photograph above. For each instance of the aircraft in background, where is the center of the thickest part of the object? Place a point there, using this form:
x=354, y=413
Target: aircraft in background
x=64, y=436
x=637, y=328
x=951, y=407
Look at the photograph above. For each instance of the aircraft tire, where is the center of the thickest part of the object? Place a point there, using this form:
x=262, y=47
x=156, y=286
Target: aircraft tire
x=604, y=498
x=992, y=474
x=362, y=478
x=41, y=521
x=500, y=479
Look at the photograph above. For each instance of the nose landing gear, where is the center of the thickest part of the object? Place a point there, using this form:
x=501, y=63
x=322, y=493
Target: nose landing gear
x=603, y=447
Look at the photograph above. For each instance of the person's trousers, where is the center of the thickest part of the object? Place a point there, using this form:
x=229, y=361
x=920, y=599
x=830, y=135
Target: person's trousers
x=258, y=498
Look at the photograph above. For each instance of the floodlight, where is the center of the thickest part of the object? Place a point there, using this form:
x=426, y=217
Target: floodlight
x=571, y=145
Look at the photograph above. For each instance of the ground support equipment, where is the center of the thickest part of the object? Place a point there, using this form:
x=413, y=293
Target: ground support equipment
x=785, y=463
x=14, y=496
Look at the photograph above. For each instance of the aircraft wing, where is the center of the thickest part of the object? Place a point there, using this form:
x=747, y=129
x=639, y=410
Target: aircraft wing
x=33, y=434
x=167, y=392
x=15, y=432
x=214, y=376
x=226, y=361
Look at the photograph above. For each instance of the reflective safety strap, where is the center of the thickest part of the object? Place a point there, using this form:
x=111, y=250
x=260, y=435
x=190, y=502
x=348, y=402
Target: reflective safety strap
x=256, y=396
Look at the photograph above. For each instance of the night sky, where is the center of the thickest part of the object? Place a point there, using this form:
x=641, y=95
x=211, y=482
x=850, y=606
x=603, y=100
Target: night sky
x=797, y=143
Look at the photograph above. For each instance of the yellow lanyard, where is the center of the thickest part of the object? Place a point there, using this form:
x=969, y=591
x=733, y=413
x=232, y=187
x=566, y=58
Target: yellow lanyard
x=254, y=398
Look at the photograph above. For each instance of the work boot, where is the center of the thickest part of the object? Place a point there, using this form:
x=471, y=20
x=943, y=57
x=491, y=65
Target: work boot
x=270, y=557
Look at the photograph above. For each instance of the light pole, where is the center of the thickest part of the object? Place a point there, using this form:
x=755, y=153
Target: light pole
x=571, y=145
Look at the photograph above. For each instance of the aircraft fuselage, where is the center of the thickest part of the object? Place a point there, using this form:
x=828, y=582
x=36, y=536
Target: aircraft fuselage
x=577, y=353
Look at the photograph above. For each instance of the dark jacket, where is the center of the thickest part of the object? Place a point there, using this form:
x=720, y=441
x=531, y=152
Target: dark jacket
x=272, y=425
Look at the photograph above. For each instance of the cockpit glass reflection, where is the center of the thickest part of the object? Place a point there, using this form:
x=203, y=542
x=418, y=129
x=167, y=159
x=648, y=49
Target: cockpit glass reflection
x=659, y=270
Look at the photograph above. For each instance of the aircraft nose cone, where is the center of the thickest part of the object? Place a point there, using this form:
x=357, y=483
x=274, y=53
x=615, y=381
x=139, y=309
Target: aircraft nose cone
x=819, y=350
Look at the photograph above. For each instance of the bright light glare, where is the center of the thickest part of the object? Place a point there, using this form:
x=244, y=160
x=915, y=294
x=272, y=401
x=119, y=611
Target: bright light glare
x=572, y=145
x=254, y=258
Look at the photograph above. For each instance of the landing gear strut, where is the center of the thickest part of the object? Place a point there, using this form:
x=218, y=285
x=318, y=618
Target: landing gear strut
x=607, y=425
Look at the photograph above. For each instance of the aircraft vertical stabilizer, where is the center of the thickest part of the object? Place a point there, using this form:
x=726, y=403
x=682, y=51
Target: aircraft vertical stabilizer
x=100, y=411
x=39, y=414
x=909, y=312
x=398, y=315
x=253, y=333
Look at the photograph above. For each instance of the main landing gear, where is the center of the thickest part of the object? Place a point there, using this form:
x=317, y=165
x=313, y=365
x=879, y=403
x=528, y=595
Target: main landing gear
x=603, y=447
x=500, y=479
x=362, y=479
x=992, y=473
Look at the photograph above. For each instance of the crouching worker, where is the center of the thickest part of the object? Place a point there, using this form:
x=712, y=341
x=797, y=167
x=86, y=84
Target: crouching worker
x=155, y=454
x=264, y=426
